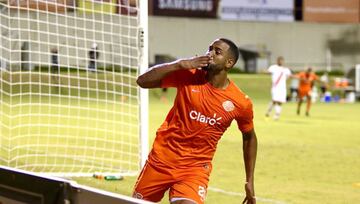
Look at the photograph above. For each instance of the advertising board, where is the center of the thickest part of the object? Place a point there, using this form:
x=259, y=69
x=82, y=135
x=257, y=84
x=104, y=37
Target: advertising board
x=257, y=10
x=334, y=11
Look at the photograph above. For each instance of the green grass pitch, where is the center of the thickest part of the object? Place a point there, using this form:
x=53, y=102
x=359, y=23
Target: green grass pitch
x=300, y=159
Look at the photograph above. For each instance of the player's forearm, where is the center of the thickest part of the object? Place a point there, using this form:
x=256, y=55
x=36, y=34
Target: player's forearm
x=250, y=151
x=152, y=78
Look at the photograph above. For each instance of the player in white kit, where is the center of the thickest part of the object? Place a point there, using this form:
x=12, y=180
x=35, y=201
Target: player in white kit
x=279, y=75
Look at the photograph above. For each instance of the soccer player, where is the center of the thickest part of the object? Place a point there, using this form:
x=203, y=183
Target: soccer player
x=93, y=57
x=54, y=61
x=205, y=105
x=324, y=79
x=279, y=75
x=307, y=80
x=55, y=69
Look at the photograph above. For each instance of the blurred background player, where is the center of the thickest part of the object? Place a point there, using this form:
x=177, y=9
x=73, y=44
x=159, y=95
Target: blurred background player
x=306, y=80
x=55, y=68
x=324, y=84
x=205, y=105
x=279, y=75
x=93, y=56
x=160, y=59
x=54, y=60
x=163, y=96
x=294, y=89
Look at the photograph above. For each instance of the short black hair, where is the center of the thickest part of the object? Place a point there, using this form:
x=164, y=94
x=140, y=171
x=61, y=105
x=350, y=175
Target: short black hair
x=234, y=50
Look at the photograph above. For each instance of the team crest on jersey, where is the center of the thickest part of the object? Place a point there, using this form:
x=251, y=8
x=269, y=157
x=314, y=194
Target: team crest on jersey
x=228, y=106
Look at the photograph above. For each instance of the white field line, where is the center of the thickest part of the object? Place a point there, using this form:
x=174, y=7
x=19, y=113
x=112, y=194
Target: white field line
x=265, y=200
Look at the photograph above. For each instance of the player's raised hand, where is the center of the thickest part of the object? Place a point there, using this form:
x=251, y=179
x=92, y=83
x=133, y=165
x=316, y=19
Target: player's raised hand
x=194, y=62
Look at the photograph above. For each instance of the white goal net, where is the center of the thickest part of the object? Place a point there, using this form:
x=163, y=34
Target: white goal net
x=69, y=100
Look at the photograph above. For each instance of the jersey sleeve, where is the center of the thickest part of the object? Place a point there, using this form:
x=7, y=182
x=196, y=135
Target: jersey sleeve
x=245, y=120
x=180, y=78
x=300, y=75
x=271, y=69
x=288, y=72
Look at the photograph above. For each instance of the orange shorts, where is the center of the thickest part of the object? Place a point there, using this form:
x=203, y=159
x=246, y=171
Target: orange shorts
x=185, y=183
x=303, y=92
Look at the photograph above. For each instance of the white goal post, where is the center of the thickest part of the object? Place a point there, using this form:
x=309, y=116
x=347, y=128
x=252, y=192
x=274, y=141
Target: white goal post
x=69, y=101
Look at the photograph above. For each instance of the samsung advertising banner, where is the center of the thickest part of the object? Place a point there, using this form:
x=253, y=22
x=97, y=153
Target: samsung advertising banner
x=185, y=8
x=257, y=10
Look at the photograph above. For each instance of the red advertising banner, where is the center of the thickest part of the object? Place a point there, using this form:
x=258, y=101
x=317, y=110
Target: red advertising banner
x=45, y=5
x=338, y=11
x=128, y=7
x=184, y=8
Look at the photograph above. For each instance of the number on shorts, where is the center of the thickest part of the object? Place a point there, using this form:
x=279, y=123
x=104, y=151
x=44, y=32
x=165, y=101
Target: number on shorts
x=202, y=193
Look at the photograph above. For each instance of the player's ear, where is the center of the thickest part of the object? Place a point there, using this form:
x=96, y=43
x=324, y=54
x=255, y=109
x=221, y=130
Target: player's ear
x=229, y=63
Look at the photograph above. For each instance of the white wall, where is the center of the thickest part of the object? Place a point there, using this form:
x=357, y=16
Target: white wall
x=300, y=43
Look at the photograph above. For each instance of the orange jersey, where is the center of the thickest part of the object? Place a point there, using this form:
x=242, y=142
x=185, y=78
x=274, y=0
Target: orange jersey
x=306, y=80
x=200, y=115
